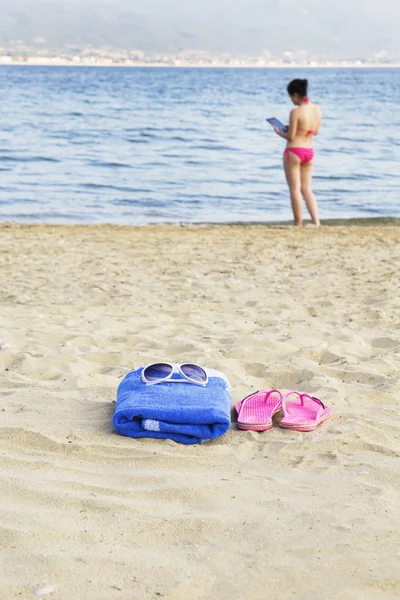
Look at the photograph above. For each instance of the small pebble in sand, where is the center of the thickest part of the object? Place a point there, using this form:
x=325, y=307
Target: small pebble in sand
x=44, y=590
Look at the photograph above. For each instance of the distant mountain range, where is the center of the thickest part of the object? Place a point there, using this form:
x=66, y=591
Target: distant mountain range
x=319, y=28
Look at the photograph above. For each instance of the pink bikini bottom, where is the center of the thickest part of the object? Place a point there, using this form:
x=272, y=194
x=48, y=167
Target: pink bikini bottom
x=305, y=154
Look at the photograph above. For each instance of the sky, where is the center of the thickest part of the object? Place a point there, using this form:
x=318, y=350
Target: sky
x=340, y=28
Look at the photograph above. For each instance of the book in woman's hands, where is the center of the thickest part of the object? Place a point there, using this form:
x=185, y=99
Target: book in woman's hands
x=275, y=123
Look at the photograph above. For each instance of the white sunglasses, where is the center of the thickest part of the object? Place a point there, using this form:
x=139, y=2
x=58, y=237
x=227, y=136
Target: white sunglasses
x=161, y=372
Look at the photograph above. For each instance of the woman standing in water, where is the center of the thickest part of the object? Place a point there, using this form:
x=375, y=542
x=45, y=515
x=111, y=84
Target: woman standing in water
x=304, y=123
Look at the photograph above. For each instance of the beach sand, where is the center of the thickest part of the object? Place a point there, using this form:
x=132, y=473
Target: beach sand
x=88, y=514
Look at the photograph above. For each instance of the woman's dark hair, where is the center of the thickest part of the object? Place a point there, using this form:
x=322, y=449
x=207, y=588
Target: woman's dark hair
x=298, y=86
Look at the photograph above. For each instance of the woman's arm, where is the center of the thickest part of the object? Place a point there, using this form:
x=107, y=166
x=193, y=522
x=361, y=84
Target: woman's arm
x=290, y=134
x=319, y=117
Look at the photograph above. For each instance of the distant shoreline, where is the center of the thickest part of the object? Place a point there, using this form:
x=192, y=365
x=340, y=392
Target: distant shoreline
x=194, y=65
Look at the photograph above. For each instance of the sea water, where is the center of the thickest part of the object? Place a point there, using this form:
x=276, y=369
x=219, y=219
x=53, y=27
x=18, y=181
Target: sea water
x=189, y=145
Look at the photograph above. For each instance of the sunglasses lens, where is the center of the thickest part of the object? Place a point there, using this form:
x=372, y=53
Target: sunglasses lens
x=157, y=371
x=194, y=372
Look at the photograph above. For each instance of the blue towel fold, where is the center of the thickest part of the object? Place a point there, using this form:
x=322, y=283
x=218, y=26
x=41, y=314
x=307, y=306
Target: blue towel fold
x=183, y=412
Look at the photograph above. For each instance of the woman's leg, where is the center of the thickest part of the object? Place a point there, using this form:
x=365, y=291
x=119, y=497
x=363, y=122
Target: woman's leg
x=306, y=190
x=291, y=163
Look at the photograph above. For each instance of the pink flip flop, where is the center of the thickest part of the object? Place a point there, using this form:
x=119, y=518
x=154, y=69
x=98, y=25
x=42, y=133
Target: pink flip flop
x=303, y=412
x=255, y=412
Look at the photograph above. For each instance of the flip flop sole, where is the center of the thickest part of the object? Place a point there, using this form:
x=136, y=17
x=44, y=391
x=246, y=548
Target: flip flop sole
x=256, y=426
x=246, y=427
x=305, y=426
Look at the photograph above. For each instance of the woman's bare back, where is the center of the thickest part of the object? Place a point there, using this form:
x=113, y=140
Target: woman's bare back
x=305, y=122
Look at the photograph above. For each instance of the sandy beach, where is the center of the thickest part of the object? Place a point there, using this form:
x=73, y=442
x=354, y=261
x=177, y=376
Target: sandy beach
x=87, y=514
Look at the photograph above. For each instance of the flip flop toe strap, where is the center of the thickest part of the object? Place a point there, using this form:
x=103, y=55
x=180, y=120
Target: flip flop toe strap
x=249, y=418
x=302, y=411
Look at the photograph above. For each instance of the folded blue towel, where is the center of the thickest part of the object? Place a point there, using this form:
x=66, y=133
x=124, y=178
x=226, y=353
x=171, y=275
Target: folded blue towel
x=183, y=412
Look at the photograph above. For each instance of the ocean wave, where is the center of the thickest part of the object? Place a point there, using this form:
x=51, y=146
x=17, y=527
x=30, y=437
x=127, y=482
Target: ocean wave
x=111, y=164
x=137, y=140
x=29, y=159
x=137, y=201
x=100, y=186
x=354, y=177
x=195, y=162
x=215, y=148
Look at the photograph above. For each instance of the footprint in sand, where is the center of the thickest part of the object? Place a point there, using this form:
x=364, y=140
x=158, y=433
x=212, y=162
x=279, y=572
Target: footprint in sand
x=386, y=343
